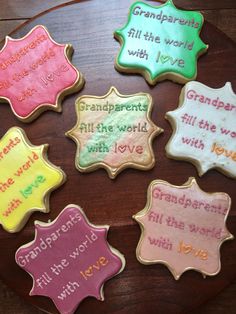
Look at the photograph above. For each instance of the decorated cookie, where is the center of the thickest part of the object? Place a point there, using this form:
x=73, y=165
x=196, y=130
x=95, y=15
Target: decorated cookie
x=35, y=74
x=204, y=129
x=160, y=42
x=79, y=259
x=114, y=132
x=27, y=178
x=183, y=227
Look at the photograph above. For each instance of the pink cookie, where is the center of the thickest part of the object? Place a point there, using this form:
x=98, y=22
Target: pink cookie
x=183, y=228
x=204, y=130
x=69, y=259
x=36, y=74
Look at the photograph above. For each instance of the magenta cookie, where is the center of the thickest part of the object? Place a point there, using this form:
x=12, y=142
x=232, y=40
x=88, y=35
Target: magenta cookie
x=183, y=227
x=69, y=259
x=36, y=73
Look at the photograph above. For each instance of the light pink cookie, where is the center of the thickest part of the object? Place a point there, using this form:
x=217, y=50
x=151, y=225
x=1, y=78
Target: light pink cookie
x=204, y=128
x=36, y=73
x=183, y=227
x=69, y=259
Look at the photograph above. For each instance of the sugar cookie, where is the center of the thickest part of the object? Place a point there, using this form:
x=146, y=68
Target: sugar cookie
x=27, y=178
x=114, y=132
x=204, y=131
x=36, y=74
x=183, y=227
x=160, y=43
x=78, y=259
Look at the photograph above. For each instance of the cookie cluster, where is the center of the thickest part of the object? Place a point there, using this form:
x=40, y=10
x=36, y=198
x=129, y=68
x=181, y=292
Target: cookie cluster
x=182, y=226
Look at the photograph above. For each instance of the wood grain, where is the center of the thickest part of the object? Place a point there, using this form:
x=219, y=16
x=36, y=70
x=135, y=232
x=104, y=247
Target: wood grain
x=13, y=9
x=223, y=303
x=138, y=289
x=6, y=27
x=21, y=9
x=222, y=18
x=13, y=304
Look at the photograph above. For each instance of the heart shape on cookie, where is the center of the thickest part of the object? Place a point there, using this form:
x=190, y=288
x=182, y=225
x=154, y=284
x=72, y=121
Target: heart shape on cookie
x=122, y=148
x=50, y=77
x=164, y=59
x=89, y=271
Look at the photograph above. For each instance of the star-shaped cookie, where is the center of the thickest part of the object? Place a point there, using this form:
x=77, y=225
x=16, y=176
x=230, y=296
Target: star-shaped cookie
x=36, y=73
x=114, y=132
x=183, y=227
x=160, y=42
x=27, y=179
x=79, y=259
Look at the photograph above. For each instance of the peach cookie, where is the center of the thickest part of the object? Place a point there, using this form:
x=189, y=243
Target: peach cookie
x=36, y=74
x=183, y=227
x=27, y=178
x=114, y=132
x=79, y=259
x=204, y=128
x=160, y=43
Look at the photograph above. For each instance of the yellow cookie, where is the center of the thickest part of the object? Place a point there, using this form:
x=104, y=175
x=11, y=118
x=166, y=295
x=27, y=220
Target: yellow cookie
x=27, y=178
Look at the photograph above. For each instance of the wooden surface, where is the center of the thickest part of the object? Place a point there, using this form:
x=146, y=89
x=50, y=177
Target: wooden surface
x=139, y=289
x=14, y=12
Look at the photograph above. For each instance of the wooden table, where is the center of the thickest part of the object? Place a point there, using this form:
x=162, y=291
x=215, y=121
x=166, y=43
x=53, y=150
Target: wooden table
x=223, y=15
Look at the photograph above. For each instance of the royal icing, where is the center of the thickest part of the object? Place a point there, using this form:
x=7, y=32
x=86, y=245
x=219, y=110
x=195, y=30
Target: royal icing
x=78, y=259
x=35, y=73
x=204, y=128
x=27, y=178
x=114, y=131
x=160, y=42
x=183, y=227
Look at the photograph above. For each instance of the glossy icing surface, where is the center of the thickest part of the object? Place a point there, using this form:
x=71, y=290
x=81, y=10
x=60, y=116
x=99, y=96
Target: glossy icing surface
x=160, y=41
x=69, y=259
x=204, y=129
x=183, y=227
x=34, y=72
x=114, y=131
x=27, y=178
